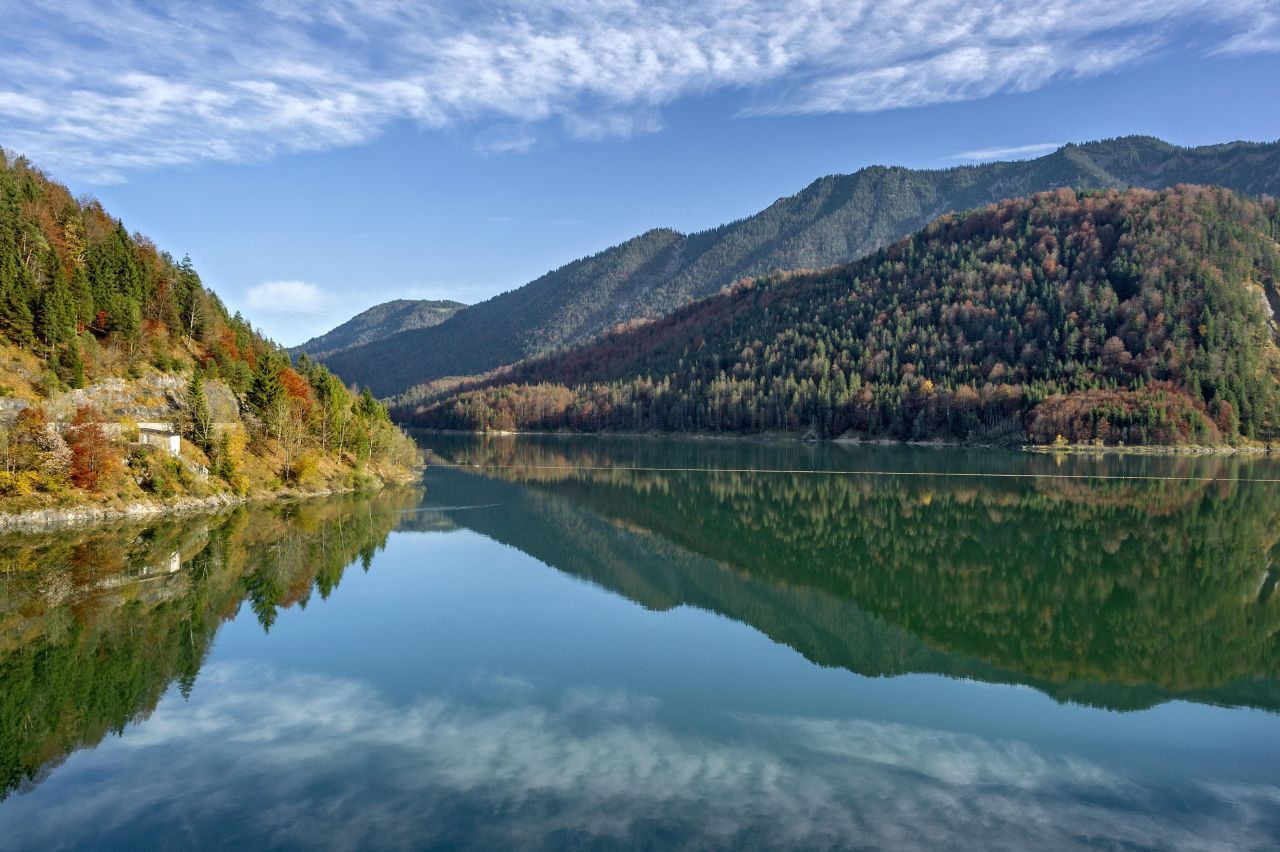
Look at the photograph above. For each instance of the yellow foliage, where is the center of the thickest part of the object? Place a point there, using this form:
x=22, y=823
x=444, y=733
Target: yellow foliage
x=305, y=469
x=20, y=484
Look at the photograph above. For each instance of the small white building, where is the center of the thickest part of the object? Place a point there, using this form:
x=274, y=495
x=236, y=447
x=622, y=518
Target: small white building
x=160, y=435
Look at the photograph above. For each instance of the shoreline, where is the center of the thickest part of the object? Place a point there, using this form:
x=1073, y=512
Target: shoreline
x=1150, y=450
x=783, y=438
x=68, y=517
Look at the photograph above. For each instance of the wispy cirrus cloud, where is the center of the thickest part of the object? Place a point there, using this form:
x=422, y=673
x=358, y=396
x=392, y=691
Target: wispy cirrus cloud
x=1016, y=152
x=98, y=88
x=505, y=139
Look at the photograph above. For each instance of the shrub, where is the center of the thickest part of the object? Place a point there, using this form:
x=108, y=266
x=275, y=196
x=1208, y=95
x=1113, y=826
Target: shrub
x=305, y=469
x=155, y=472
x=20, y=484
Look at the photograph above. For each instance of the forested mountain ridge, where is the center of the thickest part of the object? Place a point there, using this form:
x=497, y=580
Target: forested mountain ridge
x=101, y=332
x=563, y=306
x=836, y=219
x=378, y=322
x=1134, y=316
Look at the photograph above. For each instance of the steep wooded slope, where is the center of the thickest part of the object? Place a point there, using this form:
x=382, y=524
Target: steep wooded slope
x=836, y=219
x=100, y=329
x=1134, y=316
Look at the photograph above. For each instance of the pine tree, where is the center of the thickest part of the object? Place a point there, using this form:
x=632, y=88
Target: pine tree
x=55, y=323
x=224, y=463
x=369, y=408
x=266, y=391
x=201, y=433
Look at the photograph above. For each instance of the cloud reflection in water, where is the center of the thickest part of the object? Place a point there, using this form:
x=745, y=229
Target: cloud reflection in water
x=263, y=756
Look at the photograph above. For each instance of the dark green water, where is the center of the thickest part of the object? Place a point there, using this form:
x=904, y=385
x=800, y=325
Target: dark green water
x=639, y=643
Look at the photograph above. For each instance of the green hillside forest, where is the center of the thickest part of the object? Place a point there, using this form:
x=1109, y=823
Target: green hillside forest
x=1137, y=317
x=102, y=333
x=836, y=219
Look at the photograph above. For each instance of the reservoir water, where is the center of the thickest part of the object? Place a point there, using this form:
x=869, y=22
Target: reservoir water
x=641, y=643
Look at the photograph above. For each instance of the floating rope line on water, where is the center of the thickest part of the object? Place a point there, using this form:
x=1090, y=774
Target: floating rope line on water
x=447, y=508
x=811, y=472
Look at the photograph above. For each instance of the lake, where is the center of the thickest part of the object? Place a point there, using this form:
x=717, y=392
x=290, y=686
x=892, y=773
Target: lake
x=614, y=642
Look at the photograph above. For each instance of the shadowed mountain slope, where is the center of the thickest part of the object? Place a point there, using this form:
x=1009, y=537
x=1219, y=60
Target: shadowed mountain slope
x=1129, y=316
x=836, y=219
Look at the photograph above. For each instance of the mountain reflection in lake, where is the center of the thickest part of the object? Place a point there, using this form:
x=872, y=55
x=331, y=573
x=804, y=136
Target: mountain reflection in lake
x=630, y=642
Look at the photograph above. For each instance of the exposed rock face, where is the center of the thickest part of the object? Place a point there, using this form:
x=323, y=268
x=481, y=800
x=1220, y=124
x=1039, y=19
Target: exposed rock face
x=158, y=397
x=153, y=396
x=9, y=408
x=223, y=405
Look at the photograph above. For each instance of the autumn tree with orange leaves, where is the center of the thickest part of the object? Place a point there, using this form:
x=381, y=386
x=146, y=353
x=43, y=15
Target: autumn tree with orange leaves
x=96, y=461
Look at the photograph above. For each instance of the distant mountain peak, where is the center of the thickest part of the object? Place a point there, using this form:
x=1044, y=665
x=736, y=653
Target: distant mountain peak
x=834, y=219
x=379, y=322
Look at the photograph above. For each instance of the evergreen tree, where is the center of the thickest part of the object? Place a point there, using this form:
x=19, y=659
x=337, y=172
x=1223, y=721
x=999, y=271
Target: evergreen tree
x=201, y=430
x=369, y=408
x=266, y=391
x=55, y=321
x=72, y=364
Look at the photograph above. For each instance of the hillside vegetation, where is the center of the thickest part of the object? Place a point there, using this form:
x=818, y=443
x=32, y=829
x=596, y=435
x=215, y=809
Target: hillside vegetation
x=100, y=330
x=836, y=219
x=378, y=322
x=1134, y=316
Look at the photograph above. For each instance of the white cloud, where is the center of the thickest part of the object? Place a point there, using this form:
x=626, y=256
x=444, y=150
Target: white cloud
x=505, y=139
x=290, y=297
x=278, y=758
x=612, y=125
x=1262, y=37
x=97, y=88
x=1018, y=152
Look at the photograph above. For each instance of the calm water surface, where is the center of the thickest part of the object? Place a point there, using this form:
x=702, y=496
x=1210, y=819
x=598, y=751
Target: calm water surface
x=637, y=643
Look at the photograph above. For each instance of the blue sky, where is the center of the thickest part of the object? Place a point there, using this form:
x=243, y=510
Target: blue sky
x=316, y=158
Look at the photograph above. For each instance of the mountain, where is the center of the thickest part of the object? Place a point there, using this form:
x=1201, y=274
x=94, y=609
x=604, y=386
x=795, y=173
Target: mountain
x=100, y=331
x=1129, y=316
x=836, y=219
x=378, y=322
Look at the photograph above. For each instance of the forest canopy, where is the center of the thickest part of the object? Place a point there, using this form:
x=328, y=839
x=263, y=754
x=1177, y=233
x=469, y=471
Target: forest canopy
x=1115, y=316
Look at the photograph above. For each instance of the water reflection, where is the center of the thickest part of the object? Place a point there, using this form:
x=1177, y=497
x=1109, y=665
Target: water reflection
x=1120, y=592
x=333, y=764
x=462, y=695
x=95, y=625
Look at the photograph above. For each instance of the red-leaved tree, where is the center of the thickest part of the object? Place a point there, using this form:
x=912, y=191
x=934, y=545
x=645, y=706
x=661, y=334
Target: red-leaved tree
x=95, y=461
